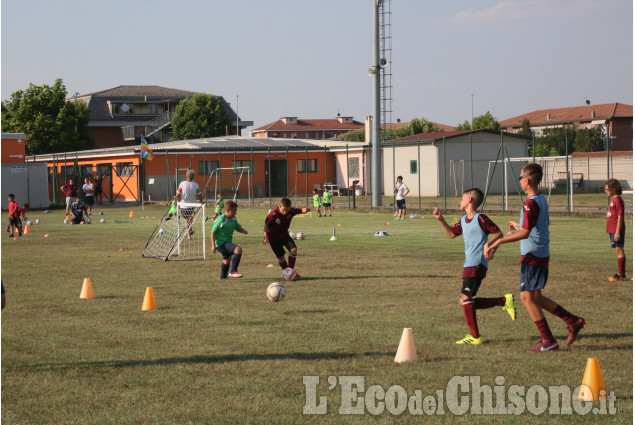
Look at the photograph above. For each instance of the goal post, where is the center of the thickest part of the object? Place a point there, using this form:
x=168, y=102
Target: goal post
x=180, y=235
x=236, y=181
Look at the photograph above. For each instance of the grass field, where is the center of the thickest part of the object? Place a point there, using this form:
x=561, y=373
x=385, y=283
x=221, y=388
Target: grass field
x=220, y=352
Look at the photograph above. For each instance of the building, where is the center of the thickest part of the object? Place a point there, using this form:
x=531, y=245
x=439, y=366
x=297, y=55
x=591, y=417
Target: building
x=294, y=128
x=27, y=181
x=617, y=117
x=121, y=115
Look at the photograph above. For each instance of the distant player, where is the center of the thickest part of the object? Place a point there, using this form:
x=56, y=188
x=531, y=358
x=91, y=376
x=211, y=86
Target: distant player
x=533, y=234
x=401, y=191
x=188, y=192
x=277, y=232
x=77, y=210
x=317, y=202
x=475, y=227
x=22, y=214
x=615, y=226
x=218, y=206
x=327, y=199
x=14, y=217
x=222, y=235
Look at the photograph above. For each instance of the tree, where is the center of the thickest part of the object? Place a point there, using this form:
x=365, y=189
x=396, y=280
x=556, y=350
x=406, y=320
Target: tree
x=200, y=116
x=485, y=121
x=589, y=140
x=416, y=126
x=51, y=124
x=422, y=125
x=525, y=128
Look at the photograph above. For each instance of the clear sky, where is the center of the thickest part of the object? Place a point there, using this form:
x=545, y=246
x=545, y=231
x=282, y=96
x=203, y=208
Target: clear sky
x=310, y=59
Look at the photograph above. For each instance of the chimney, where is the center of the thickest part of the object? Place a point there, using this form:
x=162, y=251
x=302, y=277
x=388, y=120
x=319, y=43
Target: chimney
x=289, y=120
x=592, y=114
x=548, y=117
x=345, y=120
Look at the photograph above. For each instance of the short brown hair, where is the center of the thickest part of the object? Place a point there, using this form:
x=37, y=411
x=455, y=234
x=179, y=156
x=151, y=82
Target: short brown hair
x=476, y=194
x=534, y=170
x=285, y=202
x=230, y=205
x=614, y=185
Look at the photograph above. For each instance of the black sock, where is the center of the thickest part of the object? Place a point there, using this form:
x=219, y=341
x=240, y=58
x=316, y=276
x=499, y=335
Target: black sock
x=235, y=262
x=224, y=269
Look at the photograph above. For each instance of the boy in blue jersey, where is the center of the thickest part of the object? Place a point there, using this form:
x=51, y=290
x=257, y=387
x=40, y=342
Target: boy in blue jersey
x=475, y=227
x=533, y=234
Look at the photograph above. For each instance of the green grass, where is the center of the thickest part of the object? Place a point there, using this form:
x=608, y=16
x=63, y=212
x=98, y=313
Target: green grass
x=222, y=353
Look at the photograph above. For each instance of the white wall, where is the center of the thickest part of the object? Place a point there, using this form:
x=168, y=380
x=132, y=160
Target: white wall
x=28, y=182
x=427, y=165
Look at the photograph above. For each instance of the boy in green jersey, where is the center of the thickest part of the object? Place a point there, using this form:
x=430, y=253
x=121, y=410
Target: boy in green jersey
x=327, y=198
x=222, y=233
x=317, y=202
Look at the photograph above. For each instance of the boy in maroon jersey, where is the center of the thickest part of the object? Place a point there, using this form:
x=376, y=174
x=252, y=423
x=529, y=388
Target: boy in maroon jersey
x=615, y=226
x=277, y=232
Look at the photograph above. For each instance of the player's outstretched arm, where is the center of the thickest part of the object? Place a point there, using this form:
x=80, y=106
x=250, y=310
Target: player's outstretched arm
x=306, y=210
x=242, y=230
x=446, y=227
x=266, y=232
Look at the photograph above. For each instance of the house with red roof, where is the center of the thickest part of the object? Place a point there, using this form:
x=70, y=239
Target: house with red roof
x=295, y=128
x=616, y=117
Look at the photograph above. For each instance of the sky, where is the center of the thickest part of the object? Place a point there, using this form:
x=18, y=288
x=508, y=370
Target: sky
x=310, y=59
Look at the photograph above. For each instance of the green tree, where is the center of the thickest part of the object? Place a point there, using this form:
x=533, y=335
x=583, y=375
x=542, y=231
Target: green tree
x=464, y=126
x=421, y=125
x=51, y=124
x=202, y=115
x=525, y=128
x=589, y=140
x=354, y=136
x=485, y=121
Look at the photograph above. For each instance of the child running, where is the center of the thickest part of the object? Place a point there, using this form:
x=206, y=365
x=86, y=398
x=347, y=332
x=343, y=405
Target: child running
x=533, y=234
x=277, y=232
x=317, y=202
x=222, y=234
x=475, y=227
x=615, y=226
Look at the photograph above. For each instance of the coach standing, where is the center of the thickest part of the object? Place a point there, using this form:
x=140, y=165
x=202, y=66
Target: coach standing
x=401, y=190
x=71, y=194
x=189, y=192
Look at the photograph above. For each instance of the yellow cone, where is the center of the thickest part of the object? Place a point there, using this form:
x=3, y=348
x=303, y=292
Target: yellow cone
x=148, y=301
x=131, y=214
x=87, y=290
x=592, y=383
x=407, y=352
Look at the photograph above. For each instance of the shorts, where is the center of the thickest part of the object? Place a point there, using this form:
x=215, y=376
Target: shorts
x=532, y=278
x=69, y=201
x=187, y=213
x=316, y=205
x=326, y=205
x=401, y=204
x=278, y=246
x=89, y=200
x=470, y=286
x=618, y=244
x=78, y=220
x=227, y=249
x=14, y=221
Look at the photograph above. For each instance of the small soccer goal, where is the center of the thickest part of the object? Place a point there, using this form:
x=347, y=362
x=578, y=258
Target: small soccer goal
x=235, y=182
x=180, y=235
x=627, y=196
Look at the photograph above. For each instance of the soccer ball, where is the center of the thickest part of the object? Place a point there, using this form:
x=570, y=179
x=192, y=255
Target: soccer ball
x=37, y=221
x=292, y=235
x=289, y=274
x=103, y=220
x=162, y=230
x=299, y=236
x=29, y=222
x=66, y=221
x=276, y=292
x=101, y=213
x=89, y=221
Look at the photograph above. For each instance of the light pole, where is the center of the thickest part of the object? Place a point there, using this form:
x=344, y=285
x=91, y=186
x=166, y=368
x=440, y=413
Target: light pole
x=472, y=122
x=237, y=128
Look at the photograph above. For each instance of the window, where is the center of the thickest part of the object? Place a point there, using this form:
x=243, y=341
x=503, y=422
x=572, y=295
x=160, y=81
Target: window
x=353, y=167
x=294, y=135
x=124, y=169
x=243, y=164
x=413, y=166
x=122, y=108
x=312, y=166
x=205, y=168
x=104, y=170
x=68, y=172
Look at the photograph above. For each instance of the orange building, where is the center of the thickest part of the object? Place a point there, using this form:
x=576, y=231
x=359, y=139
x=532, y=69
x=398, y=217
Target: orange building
x=13, y=148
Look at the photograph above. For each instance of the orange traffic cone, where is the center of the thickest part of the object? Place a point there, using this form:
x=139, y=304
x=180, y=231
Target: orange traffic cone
x=131, y=214
x=87, y=290
x=148, y=301
x=593, y=387
x=67, y=217
x=27, y=230
x=407, y=352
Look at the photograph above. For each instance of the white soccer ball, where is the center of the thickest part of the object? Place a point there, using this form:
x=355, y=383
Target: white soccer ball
x=29, y=222
x=103, y=220
x=289, y=274
x=299, y=236
x=276, y=292
x=66, y=221
x=37, y=221
x=89, y=221
x=162, y=230
x=292, y=235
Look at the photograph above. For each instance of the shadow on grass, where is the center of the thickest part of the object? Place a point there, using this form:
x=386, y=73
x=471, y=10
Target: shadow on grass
x=307, y=278
x=583, y=337
x=208, y=359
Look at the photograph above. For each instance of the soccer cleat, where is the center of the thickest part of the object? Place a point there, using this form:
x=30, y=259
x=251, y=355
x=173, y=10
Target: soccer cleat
x=469, y=339
x=574, y=330
x=235, y=275
x=297, y=275
x=544, y=346
x=616, y=277
x=509, y=307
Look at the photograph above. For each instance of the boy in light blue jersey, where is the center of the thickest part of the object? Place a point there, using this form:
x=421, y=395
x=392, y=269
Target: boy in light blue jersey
x=222, y=234
x=533, y=234
x=475, y=227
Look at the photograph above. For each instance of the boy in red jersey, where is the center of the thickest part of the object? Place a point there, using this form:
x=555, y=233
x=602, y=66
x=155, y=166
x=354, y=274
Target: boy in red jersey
x=615, y=226
x=474, y=227
x=533, y=234
x=277, y=232
x=14, y=216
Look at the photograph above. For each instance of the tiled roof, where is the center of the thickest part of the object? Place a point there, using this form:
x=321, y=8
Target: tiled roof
x=141, y=91
x=310, y=125
x=572, y=114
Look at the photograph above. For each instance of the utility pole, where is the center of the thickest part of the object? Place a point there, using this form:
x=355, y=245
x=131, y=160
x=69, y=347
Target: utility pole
x=375, y=133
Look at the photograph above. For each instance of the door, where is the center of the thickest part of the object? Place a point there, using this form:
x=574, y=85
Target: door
x=278, y=177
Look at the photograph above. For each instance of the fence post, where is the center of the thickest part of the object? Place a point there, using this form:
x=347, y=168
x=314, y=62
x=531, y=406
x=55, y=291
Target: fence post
x=419, y=171
x=348, y=184
x=445, y=198
x=269, y=172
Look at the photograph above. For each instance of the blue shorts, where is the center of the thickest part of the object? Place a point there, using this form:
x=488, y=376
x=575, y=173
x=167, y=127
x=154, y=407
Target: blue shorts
x=227, y=249
x=532, y=278
x=326, y=205
x=619, y=243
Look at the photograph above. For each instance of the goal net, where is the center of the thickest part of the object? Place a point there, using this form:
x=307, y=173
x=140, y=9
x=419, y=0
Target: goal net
x=233, y=183
x=627, y=196
x=180, y=235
